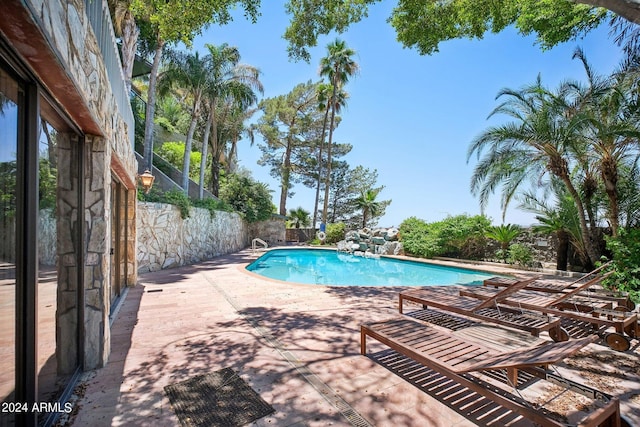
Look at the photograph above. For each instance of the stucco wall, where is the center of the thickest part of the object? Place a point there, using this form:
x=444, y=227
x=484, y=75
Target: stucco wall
x=165, y=240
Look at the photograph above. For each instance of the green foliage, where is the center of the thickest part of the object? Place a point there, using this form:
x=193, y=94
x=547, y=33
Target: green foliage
x=335, y=232
x=425, y=24
x=249, y=198
x=298, y=217
x=626, y=262
x=175, y=197
x=165, y=124
x=459, y=235
x=519, y=254
x=173, y=152
x=369, y=205
x=419, y=238
x=212, y=205
x=311, y=18
x=290, y=126
x=47, y=185
x=182, y=20
x=503, y=234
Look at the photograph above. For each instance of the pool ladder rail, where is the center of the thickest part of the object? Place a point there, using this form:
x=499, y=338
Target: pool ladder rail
x=255, y=242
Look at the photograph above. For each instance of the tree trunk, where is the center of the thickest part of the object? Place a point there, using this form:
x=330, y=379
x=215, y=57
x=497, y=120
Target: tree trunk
x=203, y=160
x=317, y=200
x=628, y=9
x=233, y=154
x=130, y=33
x=186, y=161
x=286, y=175
x=562, y=255
x=586, y=233
x=215, y=166
x=151, y=107
x=327, y=182
x=610, y=178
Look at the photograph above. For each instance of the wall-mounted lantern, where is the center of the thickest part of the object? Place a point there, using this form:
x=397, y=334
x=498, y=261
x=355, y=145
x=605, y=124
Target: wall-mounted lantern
x=146, y=179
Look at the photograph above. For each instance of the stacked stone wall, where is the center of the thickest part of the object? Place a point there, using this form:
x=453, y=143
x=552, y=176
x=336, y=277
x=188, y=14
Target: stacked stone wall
x=272, y=231
x=165, y=240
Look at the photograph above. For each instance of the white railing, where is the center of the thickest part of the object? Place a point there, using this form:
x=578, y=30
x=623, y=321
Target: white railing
x=98, y=14
x=256, y=241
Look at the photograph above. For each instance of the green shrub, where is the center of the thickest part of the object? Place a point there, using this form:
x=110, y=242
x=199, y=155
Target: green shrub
x=335, y=232
x=174, y=197
x=519, y=254
x=212, y=205
x=456, y=236
x=173, y=152
x=250, y=198
x=626, y=262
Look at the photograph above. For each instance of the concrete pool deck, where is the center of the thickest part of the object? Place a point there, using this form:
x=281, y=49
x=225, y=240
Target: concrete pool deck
x=298, y=346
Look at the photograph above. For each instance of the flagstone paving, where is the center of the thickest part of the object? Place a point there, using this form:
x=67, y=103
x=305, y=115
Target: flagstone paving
x=298, y=346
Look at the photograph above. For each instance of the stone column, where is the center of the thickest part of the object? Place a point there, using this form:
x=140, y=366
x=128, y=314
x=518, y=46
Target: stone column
x=67, y=230
x=97, y=220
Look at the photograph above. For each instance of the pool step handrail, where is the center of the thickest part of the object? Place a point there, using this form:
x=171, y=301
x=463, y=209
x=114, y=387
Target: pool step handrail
x=254, y=244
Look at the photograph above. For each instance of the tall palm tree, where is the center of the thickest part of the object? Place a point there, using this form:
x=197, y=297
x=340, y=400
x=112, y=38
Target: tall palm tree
x=190, y=73
x=228, y=82
x=369, y=205
x=338, y=66
x=613, y=131
x=537, y=142
x=324, y=104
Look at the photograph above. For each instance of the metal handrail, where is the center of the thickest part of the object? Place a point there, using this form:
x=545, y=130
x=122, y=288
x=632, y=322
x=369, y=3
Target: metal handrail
x=100, y=19
x=257, y=240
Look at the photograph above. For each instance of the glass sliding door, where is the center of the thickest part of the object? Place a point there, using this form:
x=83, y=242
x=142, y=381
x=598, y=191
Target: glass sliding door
x=9, y=106
x=40, y=319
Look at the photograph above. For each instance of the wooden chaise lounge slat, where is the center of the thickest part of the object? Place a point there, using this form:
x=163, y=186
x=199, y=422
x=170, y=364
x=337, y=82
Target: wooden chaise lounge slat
x=548, y=286
x=470, y=307
x=589, y=289
x=596, y=316
x=399, y=334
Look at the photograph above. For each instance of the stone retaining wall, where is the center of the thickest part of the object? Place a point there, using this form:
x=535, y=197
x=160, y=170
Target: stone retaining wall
x=165, y=240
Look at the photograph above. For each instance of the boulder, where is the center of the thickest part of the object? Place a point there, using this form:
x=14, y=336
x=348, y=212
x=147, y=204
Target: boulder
x=378, y=240
x=392, y=235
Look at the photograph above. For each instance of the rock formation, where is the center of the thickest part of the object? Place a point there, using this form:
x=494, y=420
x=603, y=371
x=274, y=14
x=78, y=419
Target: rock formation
x=365, y=242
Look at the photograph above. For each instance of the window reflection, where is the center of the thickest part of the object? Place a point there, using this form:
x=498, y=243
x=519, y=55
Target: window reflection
x=50, y=382
x=8, y=174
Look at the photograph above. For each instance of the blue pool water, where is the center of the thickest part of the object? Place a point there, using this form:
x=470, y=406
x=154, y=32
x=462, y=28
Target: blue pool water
x=323, y=267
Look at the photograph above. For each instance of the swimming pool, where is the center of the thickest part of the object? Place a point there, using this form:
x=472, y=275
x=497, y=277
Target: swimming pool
x=324, y=267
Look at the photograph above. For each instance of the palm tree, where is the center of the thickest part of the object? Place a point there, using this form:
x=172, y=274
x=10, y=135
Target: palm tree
x=299, y=217
x=503, y=234
x=189, y=72
x=613, y=131
x=560, y=219
x=540, y=140
x=369, y=205
x=338, y=66
x=229, y=83
x=324, y=104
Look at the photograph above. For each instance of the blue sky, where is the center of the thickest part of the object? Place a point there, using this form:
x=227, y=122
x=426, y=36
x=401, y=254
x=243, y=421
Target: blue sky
x=410, y=117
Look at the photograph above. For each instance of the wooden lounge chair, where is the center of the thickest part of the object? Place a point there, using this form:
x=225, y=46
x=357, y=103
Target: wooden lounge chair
x=598, y=317
x=587, y=287
x=456, y=358
x=487, y=311
x=571, y=298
